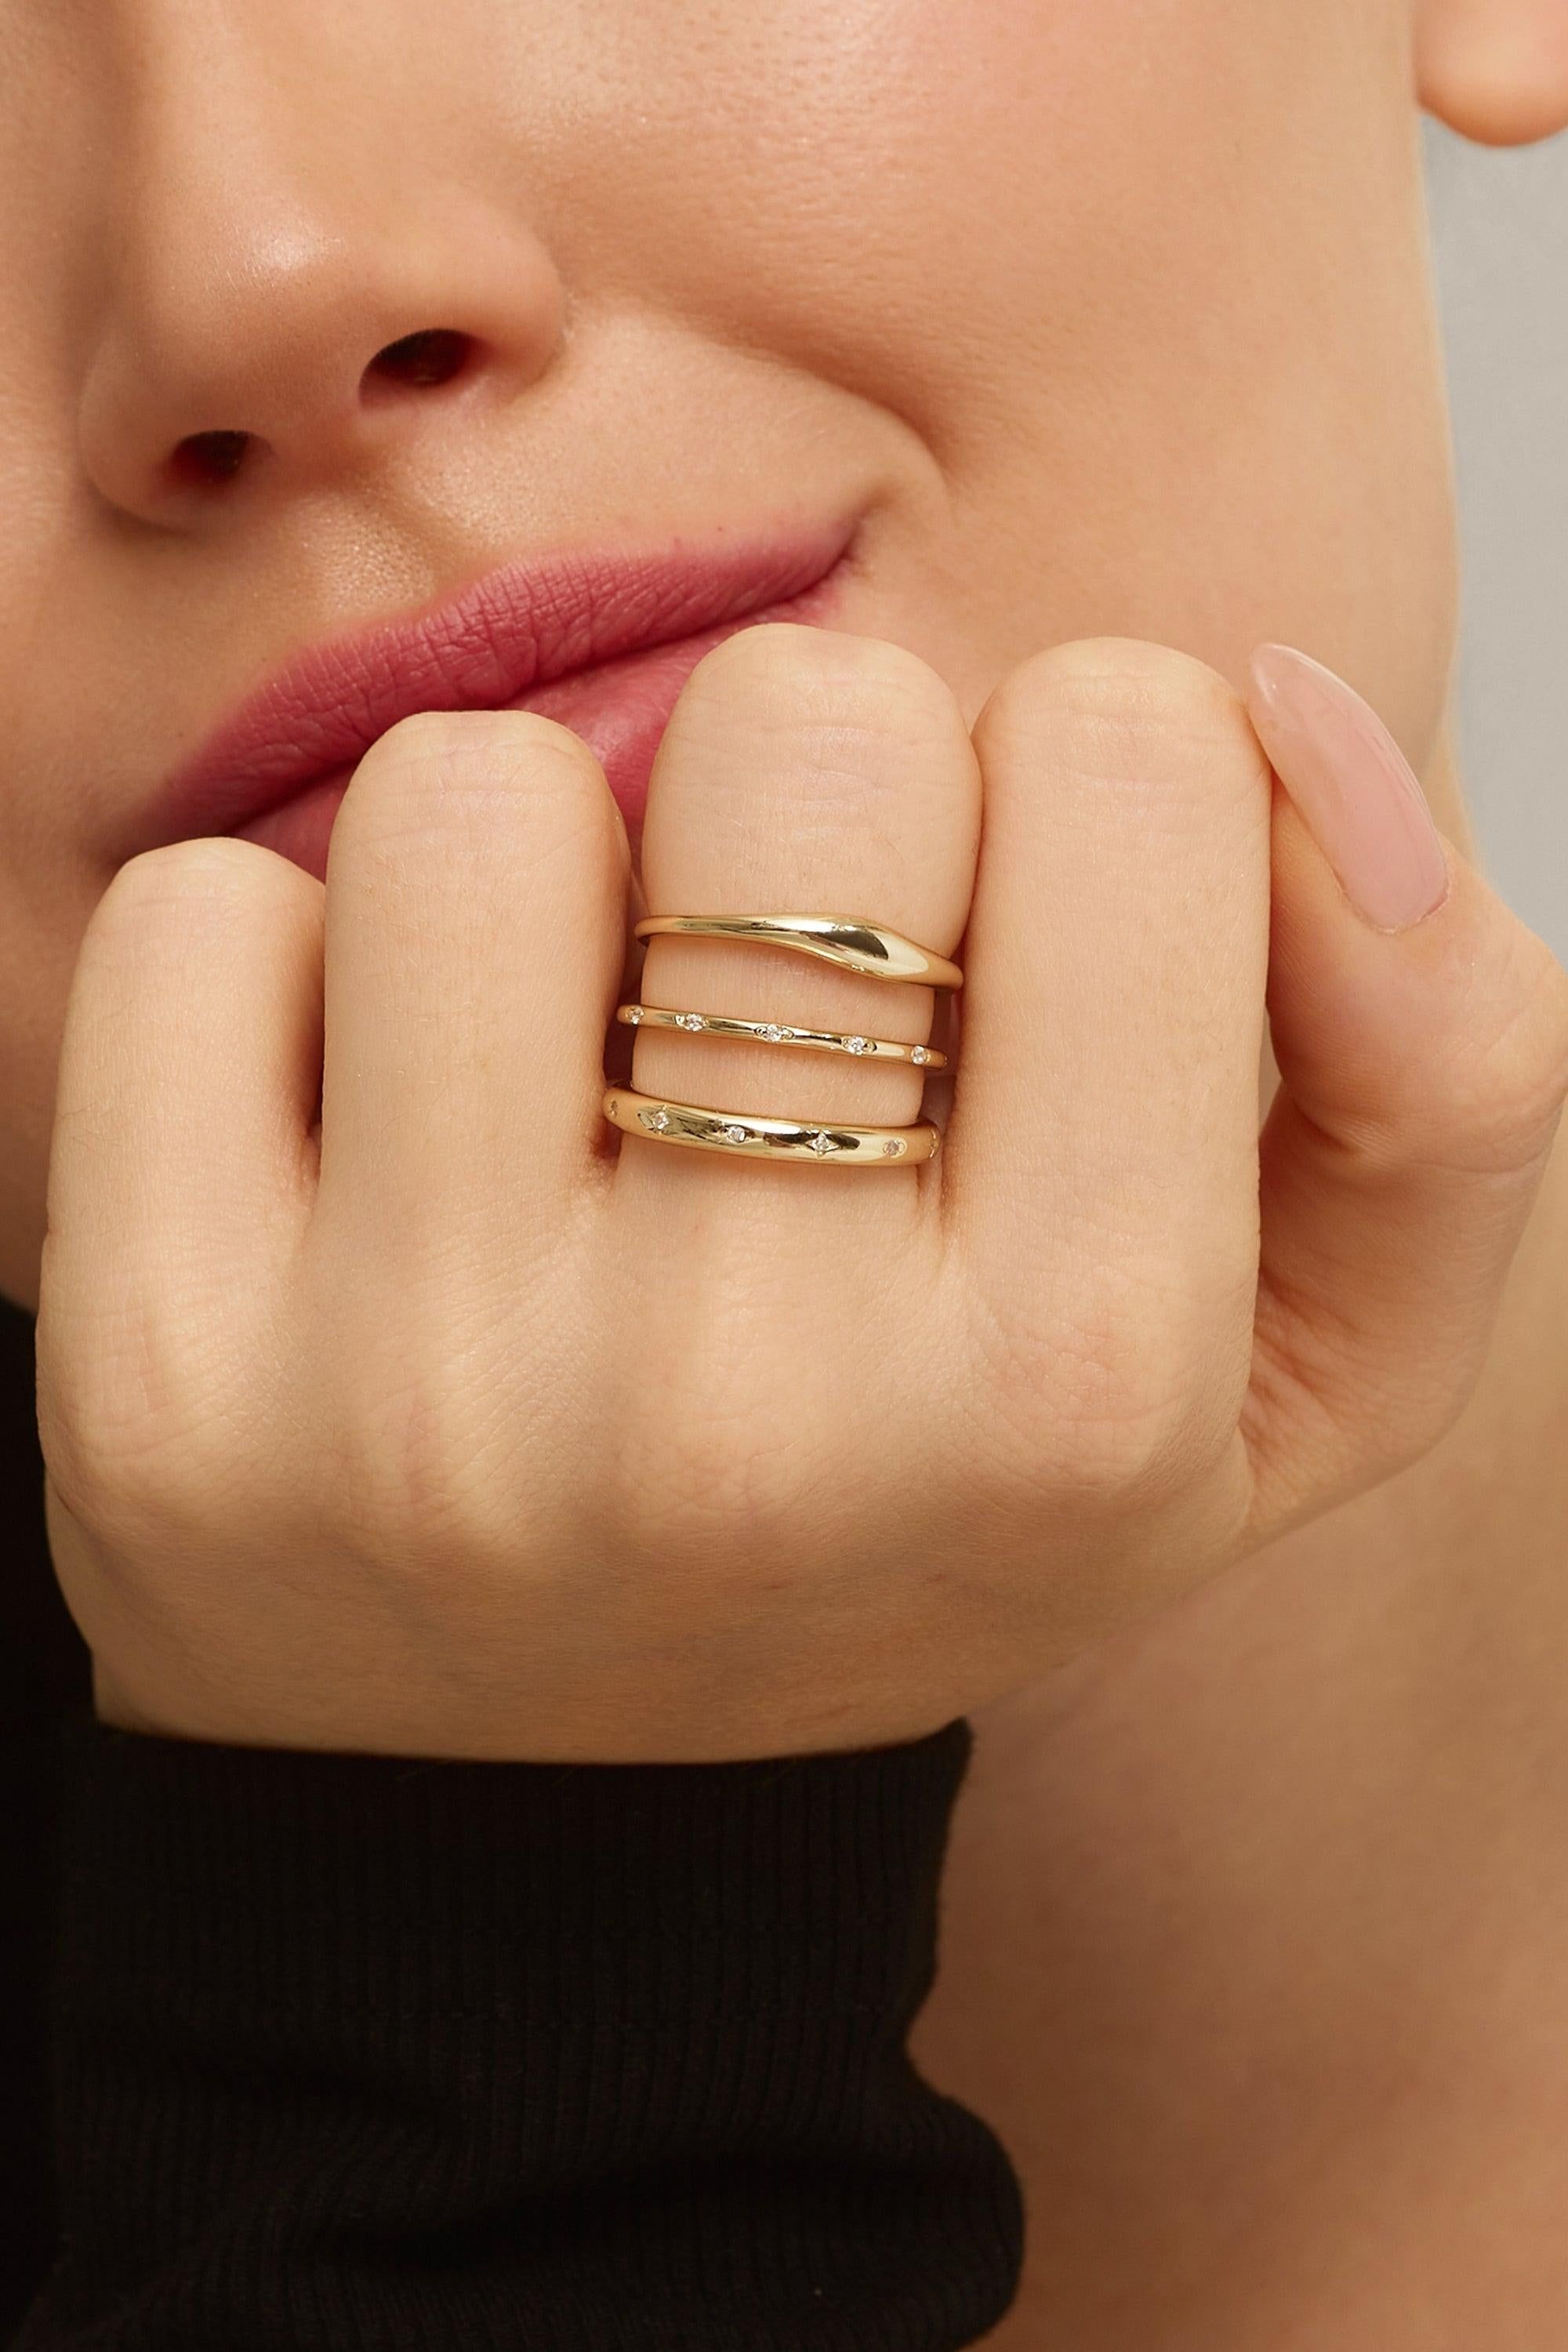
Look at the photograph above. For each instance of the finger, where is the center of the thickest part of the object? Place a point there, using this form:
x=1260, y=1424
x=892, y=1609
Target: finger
x=1424, y=1067
x=475, y=929
x=803, y=772
x=183, y=1163
x=1102, y=1149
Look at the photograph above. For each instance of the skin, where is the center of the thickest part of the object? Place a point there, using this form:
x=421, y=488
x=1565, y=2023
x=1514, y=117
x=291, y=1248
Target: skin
x=1064, y=304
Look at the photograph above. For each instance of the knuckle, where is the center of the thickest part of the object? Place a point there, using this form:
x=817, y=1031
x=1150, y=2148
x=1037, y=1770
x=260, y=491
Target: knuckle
x=1109, y=1404
x=733, y=1463
x=118, y=1492
x=131, y=1439
x=1116, y=1451
x=196, y=915
x=219, y=872
x=443, y=789
x=1125, y=700
x=1113, y=670
x=799, y=678
x=1130, y=1461
x=446, y=773
x=737, y=1488
x=405, y=1486
x=428, y=740
x=502, y=739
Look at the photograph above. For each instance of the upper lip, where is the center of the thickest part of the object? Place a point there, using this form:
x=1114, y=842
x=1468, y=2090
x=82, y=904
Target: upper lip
x=508, y=633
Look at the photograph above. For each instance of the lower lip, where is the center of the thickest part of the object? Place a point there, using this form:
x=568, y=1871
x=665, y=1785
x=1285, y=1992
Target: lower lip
x=620, y=710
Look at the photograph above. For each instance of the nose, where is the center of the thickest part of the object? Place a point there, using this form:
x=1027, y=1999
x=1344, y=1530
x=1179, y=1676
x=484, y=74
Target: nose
x=279, y=310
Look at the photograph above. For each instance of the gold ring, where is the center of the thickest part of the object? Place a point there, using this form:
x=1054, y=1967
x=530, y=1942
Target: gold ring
x=743, y=1136
x=778, y=1032
x=844, y=940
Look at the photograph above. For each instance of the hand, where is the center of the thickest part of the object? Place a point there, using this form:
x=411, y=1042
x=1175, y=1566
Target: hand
x=454, y=1424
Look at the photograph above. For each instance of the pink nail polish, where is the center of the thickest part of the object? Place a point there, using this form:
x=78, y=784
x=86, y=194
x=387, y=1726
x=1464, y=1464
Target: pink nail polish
x=1354, y=787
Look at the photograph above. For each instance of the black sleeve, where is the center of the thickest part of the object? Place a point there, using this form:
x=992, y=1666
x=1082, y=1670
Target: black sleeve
x=360, y=2054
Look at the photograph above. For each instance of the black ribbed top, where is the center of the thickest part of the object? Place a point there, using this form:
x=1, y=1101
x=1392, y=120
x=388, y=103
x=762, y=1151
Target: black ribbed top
x=358, y=2054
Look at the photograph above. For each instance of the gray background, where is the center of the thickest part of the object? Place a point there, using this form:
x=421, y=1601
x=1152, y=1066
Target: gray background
x=1501, y=223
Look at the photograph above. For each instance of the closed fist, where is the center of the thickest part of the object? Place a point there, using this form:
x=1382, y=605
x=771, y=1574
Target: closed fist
x=392, y=1400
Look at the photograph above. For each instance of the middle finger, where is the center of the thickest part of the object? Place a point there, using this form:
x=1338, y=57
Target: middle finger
x=804, y=771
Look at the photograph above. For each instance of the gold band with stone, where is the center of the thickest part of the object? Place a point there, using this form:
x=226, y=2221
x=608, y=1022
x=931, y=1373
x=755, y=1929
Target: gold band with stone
x=780, y=1032
x=741, y=1135
x=847, y=940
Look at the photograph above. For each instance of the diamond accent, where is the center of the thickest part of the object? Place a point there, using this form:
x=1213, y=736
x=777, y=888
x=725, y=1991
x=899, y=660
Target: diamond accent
x=892, y=1148
x=921, y=1056
x=657, y=1119
x=634, y=1014
x=822, y=1142
x=735, y=1135
x=690, y=1021
x=772, y=1033
x=858, y=1044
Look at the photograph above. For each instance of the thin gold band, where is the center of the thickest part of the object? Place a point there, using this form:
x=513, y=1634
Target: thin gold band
x=778, y=1032
x=743, y=1136
x=844, y=940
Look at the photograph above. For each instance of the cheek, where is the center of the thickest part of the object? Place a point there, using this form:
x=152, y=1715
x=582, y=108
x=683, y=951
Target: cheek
x=1146, y=276
x=937, y=191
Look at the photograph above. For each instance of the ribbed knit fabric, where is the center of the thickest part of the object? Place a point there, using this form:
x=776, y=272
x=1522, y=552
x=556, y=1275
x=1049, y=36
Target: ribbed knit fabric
x=358, y=2054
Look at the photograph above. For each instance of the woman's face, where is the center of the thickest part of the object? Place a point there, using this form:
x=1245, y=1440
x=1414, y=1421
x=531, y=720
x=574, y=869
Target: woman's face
x=1062, y=316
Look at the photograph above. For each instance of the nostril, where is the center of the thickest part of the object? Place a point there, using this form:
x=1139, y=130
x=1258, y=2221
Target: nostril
x=434, y=356
x=416, y=363
x=204, y=461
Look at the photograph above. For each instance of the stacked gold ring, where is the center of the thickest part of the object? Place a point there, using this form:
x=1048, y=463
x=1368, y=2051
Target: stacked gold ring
x=847, y=940
x=854, y=945
x=742, y=1135
x=779, y=1032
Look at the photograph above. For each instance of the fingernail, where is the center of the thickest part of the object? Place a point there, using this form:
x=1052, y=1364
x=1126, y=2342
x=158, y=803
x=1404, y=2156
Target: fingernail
x=1353, y=786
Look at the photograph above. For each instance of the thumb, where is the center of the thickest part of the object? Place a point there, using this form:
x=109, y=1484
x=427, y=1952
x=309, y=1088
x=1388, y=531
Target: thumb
x=1421, y=1033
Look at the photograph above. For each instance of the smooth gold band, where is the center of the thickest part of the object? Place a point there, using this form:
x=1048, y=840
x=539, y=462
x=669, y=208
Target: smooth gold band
x=779, y=1032
x=743, y=1136
x=844, y=940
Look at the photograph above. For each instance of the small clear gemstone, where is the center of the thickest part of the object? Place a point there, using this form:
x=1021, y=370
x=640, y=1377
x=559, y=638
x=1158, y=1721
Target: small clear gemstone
x=891, y=1149
x=773, y=1033
x=735, y=1135
x=690, y=1021
x=657, y=1119
x=634, y=1013
x=858, y=1045
x=822, y=1142
x=922, y=1056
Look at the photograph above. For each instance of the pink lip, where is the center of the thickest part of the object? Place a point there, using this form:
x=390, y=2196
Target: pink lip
x=601, y=642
